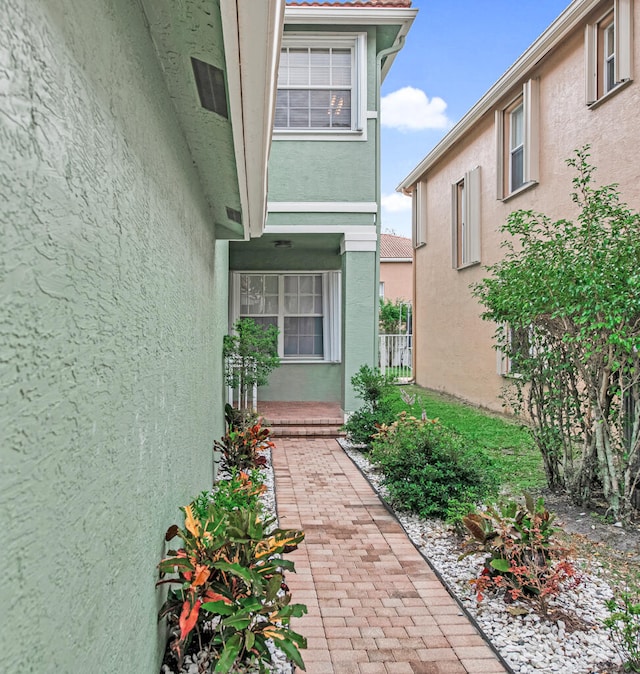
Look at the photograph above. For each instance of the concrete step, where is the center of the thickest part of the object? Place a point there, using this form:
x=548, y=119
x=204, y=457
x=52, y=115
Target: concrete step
x=308, y=430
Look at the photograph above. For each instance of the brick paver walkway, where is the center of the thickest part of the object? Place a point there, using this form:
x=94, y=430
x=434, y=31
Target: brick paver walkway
x=375, y=606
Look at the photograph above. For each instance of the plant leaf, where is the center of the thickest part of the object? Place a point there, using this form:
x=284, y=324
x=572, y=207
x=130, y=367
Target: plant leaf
x=500, y=565
x=191, y=524
x=229, y=654
x=188, y=618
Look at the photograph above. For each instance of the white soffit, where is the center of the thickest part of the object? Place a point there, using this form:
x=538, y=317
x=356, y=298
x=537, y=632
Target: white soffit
x=252, y=37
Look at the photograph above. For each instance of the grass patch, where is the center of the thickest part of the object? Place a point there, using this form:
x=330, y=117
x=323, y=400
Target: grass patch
x=509, y=443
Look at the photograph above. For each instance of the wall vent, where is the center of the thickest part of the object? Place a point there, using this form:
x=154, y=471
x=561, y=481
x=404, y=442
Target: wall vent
x=211, y=89
x=234, y=216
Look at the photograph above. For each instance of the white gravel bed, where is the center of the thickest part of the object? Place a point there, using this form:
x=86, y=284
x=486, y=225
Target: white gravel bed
x=200, y=664
x=529, y=644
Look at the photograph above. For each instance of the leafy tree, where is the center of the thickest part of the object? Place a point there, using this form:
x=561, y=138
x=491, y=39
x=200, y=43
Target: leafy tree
x=250, y=354
x=574, y=286
x=393, y=316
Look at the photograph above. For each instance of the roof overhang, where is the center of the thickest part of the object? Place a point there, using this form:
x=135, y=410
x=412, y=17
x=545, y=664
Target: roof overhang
x=230, y=153
x=558, y=31
x=345, y=15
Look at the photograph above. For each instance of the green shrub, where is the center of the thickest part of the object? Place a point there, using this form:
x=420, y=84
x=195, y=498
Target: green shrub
x=524, y=560
x=241, y=448
x=241, y=490
x=374, y=389
x=623, y=624
x=430, y=470
x=230, y=592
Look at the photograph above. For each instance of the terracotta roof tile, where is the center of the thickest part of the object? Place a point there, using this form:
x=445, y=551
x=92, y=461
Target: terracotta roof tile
x=351, y=3
x=395, y=246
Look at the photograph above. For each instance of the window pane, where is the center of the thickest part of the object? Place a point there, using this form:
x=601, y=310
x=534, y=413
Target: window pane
x=291, y=346
x=271, y=284
x=341, y=58
x=517, y=127
x=306, y=284
x=291, y=284
x=517, y=168
x=283, y=68
x=298, y=69
x=341, y=77
x=298, y=98
x=320, y=118
x=320, y=74
x=291, y=304
x=299, y=118
x=271, y=304
x=321, y=98
x=303, y=336
x=320, y=58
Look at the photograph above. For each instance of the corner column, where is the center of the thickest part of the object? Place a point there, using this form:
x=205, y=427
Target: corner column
x=359, y=308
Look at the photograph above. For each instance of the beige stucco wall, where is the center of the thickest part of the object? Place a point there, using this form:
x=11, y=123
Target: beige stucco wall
x=453, y=346
x=398, y=280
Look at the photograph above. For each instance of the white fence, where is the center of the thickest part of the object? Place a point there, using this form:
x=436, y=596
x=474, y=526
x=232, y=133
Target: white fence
x=396, y=356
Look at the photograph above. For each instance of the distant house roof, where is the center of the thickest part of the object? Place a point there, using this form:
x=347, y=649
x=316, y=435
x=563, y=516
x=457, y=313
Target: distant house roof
x=352, y=3
x=397, y=248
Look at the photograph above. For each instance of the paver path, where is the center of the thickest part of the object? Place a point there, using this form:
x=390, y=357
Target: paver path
x=375, y=606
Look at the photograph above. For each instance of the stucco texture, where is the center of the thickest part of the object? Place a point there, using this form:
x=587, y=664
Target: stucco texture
x=113, y=309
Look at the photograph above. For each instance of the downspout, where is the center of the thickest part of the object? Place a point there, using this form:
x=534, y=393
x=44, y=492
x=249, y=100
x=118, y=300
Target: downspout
x=394, y=49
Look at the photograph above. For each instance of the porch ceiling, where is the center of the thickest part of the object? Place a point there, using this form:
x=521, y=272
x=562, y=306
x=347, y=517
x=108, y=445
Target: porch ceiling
x=266, y=244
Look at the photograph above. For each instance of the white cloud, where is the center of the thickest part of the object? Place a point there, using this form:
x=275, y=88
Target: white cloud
x=396, y=202
x=410, y=109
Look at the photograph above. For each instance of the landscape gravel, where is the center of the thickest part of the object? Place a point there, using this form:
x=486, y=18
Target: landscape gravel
x=528, y=643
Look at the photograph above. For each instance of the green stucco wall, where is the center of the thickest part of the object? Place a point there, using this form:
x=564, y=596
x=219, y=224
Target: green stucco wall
x=303, y=381
x=113, y=309
x=340, y=170
x=359, y=315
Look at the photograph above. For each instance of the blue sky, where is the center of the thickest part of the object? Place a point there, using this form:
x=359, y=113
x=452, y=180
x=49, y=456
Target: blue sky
x=455, y=51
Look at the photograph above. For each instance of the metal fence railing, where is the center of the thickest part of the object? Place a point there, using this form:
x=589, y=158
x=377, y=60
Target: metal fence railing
x=239, y=392
x=396, y=356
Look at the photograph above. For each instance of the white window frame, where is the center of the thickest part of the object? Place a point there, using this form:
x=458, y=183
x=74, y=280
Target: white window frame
x=465, y=220
x=357, y=42
x=419, y=214
x=331, y=311
x=530, y=96
x=597, y=86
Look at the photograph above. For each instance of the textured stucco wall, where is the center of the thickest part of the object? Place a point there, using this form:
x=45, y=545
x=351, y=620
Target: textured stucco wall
x=398, y=280
x=453, y=346
x=303, y=381
x=111, y=323
x=359, y=317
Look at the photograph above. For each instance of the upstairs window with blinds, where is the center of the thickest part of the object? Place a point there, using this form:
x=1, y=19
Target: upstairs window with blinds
x=319, y=84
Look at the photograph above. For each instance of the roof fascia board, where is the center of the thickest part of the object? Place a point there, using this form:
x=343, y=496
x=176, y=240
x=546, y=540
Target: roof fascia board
x=348, y=15
x=567, y=22
x=252, y=36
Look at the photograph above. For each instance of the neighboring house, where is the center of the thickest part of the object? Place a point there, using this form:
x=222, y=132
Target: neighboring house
x=314, y=272
x=573, y=86
x=396, y=269
x=134, y=140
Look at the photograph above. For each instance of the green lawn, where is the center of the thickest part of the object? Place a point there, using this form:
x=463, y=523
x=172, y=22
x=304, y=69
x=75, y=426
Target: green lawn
x=510, y=444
